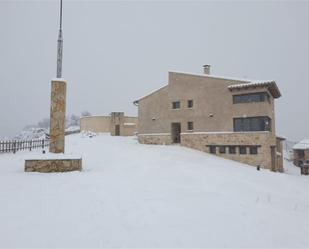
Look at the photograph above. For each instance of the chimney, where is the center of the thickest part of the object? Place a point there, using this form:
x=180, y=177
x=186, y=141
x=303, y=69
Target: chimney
x=206, y=69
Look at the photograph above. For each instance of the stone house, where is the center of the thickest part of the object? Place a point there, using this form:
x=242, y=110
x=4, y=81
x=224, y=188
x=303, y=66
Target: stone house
x=301, y=153
x=117, y=124
x=228, y=117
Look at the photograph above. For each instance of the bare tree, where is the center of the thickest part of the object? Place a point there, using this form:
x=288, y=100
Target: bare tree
x=85, y=114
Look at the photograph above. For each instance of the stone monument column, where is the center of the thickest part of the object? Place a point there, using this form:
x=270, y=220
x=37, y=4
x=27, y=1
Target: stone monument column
x=50, y=162
x=57, y=116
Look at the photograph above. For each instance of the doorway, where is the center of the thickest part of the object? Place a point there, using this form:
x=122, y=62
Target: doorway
x=117, y=130
x=176, y=130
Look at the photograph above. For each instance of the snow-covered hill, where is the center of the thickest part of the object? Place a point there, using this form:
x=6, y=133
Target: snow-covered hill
x=133, y=195
x=40, y=133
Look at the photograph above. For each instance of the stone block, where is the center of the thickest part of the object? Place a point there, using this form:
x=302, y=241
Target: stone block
x=53, y=165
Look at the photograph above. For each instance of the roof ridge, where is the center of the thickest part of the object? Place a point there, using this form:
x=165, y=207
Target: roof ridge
x=221, y=77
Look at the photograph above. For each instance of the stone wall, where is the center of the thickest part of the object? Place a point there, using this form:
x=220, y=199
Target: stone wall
x=53, y=165
x=203, y=140
x=164, y=139
x=307, y=155
x=262, y=140
x=98, y=124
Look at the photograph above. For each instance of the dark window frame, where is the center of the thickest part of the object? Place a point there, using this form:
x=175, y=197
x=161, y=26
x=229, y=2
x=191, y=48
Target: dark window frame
x=258, y=123
x=232, y=149
x=256, y=97
x=176, y=105
x=190, y=126
x=241, y=151
x=253, y=150
x=222, y=149
x=190, y=103
x=212, y=149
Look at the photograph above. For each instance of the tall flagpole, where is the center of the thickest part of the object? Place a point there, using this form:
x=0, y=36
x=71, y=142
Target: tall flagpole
x=60, y=46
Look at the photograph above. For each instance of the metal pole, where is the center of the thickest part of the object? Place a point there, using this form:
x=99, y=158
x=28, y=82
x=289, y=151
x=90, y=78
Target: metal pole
x=60, y=46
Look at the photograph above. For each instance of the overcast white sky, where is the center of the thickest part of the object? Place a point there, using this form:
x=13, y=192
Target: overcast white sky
x=115, y=52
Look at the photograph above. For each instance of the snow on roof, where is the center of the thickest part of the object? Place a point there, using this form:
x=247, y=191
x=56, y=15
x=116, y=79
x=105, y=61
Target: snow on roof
x=244, y=83
x=302, y=145
x=59, y=79
x=52, y=156
x=215, y=76
x=270, y=84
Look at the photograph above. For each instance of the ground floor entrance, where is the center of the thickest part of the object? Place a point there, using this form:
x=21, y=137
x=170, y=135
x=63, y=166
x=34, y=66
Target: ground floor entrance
x=117, y=130
x=176, y=130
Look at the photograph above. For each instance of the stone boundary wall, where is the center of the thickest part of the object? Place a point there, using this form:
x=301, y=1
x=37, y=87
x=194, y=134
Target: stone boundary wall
x=95, y=123
x=106, y=124
x=264, y=140
x=53, y=165
x=164, y=138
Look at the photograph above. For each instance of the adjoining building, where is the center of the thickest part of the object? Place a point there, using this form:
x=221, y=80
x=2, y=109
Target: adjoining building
x=301, y=153
x=117, y=124
x=232, y=118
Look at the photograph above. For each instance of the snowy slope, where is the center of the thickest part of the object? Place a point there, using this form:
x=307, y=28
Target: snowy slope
x=133, y=195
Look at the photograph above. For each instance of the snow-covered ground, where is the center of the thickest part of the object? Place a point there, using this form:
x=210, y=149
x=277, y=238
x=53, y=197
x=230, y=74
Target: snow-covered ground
x=133, y=195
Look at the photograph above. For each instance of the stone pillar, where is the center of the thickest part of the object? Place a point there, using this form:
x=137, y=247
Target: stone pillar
x=57, y=115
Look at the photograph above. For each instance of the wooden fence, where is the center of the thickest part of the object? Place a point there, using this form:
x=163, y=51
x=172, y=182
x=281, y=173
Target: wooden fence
x=16, y=145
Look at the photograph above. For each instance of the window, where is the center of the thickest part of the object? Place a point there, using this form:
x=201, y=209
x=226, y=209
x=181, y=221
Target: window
x=222, y=149
x=190, y=126
x=190, y=103
x=251, y=97
x=176, y=105
x=232, y=149
x=242, y=150
x=253, y=150
x=252, y=124
x=212, y=149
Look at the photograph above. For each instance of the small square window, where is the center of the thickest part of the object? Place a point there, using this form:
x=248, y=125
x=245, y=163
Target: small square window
x=190, y=103
x=176, y=105
x=232, y=149
x=190, y=126
x=222, y=149
x=242, y=150
x=253, y=150
x=212, y=149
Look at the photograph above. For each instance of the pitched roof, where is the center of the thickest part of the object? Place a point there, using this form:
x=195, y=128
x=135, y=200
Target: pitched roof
x=243, y=84
x=135, y=102
x=271, y=86
x=302, y=145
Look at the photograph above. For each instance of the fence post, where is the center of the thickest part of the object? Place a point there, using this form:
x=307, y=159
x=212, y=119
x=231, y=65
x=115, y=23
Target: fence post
x=14, y=146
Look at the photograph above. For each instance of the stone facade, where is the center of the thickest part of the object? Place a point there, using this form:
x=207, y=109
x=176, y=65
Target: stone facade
x=260, y=140
x=300, y=156
x=53, y=165
x=205, y=114
x=57, y=116
x=164, y=139
x=115, y=124
x=98, y=124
